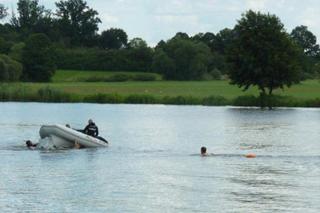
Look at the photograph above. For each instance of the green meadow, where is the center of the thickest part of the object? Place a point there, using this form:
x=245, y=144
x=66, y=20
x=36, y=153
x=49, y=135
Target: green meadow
x=71, y=86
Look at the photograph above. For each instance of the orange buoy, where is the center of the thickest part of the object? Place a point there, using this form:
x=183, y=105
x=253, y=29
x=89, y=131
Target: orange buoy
x=251, y=155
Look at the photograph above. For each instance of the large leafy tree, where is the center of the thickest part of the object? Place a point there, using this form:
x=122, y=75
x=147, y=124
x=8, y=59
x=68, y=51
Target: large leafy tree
x=262, y=54
x=38, y=59
x=34, y=18
x=77, y=21
x=306, y=40
x=113, y=39
x=30, y=16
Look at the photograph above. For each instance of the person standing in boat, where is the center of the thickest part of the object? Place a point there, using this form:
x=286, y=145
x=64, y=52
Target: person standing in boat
x=91, y=129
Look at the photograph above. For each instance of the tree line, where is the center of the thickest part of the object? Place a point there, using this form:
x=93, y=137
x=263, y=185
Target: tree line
x=256, y=52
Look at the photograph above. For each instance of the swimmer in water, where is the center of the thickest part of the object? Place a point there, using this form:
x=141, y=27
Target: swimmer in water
x=77, y=145
x=31, y=145
x=203, y=151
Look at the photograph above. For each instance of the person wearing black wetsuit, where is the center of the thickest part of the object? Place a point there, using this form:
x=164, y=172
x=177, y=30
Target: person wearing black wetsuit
x=91, y=129
x=31, y=145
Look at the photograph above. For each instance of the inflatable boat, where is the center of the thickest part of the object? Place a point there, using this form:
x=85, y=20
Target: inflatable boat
x=60, y=136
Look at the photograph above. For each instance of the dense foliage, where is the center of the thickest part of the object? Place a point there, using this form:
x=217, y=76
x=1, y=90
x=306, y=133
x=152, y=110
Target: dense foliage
x=182, y=59
x=10, y=70
x=262, y=54
x=38, y=59
x=77, y=21
x=72, y=29
x=98, y=59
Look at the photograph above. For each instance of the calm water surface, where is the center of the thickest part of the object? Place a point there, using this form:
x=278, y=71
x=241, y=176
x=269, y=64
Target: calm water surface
x=153, y=164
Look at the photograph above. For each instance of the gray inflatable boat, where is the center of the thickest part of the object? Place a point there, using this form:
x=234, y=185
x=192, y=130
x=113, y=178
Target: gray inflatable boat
x=64, y=137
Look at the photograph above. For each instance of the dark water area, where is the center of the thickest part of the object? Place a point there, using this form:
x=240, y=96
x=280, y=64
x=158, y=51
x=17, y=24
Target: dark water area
x=153, y=165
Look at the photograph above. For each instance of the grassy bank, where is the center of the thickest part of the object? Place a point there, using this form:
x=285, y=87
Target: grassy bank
x=213, y=93
x=66, y=88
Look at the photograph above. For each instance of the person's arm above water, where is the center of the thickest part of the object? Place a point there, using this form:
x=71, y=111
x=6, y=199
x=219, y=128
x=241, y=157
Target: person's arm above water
x=77, y=145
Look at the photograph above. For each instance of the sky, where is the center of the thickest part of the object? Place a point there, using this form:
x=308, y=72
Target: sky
x=155, y=20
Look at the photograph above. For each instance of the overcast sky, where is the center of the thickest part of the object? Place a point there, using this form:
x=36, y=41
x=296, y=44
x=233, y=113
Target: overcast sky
x=154, y=20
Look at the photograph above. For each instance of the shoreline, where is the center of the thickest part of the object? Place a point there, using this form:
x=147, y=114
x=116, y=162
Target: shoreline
x=217, y=101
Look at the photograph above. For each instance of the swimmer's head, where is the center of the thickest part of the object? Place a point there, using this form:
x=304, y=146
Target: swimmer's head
x=68, y=125
x=203, y=150
x=29, y=143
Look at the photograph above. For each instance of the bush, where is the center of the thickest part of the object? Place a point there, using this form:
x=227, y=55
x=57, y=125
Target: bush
x=121, y=77
x=48, y=94
x=144, y=77
x=4, y=75
x=216, y=74
x=16, y=51
x=140, y=99
x=104, y=98
x=17, y=93
x=272, y=101
x=313, y=103
x=94, y=79
x=181, y=100
x=215, y=101
x=118, y=78
x=10, y=70
x=4, y=92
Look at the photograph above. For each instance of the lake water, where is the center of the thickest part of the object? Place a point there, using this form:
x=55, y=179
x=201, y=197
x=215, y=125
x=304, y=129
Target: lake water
x=153, y=165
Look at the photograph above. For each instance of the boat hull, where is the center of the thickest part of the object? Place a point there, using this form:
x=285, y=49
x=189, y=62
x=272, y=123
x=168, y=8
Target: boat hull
x=65, y=137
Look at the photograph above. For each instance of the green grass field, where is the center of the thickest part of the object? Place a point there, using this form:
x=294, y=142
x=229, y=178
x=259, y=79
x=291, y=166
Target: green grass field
x=66, y=82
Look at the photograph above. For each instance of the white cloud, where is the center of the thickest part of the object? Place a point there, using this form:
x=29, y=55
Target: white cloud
x=177, y=19
x=256, y=4
x=109, y=19
x=310, y=17
x=154, y=20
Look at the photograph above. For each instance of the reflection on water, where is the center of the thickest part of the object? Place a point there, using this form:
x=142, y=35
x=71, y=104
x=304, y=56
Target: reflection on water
x=153, y=162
